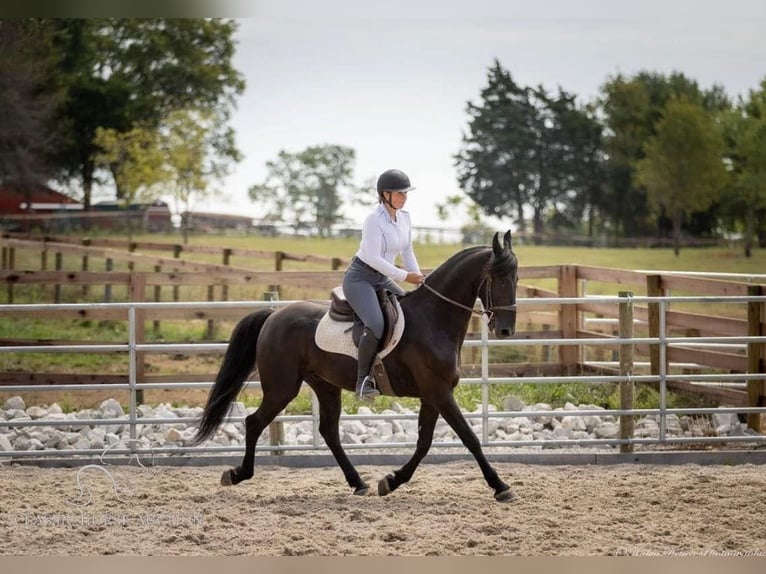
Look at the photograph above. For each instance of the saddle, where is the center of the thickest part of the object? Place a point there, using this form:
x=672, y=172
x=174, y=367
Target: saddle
x=341, y=310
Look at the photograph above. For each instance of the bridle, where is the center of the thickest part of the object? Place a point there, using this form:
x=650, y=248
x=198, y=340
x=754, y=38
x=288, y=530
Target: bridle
x=487, y=313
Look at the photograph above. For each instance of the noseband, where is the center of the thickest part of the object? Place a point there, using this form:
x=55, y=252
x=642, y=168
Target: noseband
x=486, y=314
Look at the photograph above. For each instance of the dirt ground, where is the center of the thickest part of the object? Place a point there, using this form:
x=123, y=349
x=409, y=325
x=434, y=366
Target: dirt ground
x=446, y=510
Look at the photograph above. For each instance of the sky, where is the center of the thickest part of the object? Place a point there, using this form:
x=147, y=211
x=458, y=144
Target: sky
x=392, y=79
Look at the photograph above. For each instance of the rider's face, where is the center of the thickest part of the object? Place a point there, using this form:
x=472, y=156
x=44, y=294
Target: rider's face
x=397, y=198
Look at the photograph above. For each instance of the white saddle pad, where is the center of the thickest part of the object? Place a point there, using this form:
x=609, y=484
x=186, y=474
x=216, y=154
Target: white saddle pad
x=335, y=336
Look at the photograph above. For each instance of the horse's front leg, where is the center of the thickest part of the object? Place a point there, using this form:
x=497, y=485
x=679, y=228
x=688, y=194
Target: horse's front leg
x=426, y=424
x=449, y=409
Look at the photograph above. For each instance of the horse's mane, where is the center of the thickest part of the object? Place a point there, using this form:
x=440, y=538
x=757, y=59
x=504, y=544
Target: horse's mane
x=448, y=266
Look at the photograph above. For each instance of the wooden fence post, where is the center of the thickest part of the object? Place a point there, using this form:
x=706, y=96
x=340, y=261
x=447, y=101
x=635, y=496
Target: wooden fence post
x=108, y=286
x=177, y=255
x=756, y=356
x=210, y=322
x=157, y=299
x=226, y=261
x=279, y=256
x=568, y=354
x=85, y=288
x=626, y=370
x=57, y=288
x=276, y=428
x=336, y=263
x=654, y=289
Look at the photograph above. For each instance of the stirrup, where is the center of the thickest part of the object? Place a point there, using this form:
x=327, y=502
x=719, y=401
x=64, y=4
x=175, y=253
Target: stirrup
x=367, y=390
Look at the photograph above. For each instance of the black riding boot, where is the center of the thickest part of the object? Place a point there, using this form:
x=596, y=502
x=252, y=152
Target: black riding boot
x=368, y=348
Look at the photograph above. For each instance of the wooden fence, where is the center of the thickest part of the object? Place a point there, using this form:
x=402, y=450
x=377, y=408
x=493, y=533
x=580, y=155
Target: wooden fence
x=566, y=321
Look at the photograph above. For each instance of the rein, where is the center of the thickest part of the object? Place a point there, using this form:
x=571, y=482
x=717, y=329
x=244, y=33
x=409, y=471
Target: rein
x=485, y=314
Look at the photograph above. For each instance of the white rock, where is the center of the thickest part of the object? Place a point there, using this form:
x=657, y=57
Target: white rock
x=513, y=403
x=573, y=423
x=110, y=409
x=145, y=411
x=14, y=403
x=607, y=430
x=354, y=427
x=399, y=437
x=55, y=409
x=111, y=439
x=173, y=435
x=22, y=443
x=721, y=419
x=237, y=409
x=17, y=414
x=37, y=412
x=82, y=444
x=5, y=443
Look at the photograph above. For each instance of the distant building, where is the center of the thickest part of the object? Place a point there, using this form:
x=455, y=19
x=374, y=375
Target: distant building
x=201, y=221
x=42, y=207
x=37, y=199
x=152, y=217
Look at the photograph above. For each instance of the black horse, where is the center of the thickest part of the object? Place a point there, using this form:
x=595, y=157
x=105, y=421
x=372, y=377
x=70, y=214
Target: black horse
x=425, y=363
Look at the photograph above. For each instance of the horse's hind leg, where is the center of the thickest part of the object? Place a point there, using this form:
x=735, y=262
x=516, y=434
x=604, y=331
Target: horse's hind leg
x=329, y=415
x=275, y=398
x=426, y=424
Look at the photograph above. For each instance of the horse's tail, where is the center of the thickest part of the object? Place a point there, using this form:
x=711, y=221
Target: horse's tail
x=238, y=363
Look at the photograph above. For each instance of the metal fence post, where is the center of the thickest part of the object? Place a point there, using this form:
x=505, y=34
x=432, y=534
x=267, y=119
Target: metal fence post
x=626, y=370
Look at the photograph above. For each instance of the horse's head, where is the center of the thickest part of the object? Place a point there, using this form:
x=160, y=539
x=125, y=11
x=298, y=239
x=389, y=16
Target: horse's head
x=499, y=297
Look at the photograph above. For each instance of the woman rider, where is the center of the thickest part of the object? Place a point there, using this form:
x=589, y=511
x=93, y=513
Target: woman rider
x=386, y=233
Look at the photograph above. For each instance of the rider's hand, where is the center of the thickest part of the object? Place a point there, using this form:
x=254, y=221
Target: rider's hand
x=415, y=278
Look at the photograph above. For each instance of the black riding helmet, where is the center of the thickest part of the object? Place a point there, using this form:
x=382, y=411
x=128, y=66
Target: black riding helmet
x=393, y=180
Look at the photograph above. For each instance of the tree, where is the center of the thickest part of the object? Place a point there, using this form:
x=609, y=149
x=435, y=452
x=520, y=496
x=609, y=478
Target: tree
x=308, y=188
x=683, y=170
x=630, y=109
x=123, y=73
x=745, y=129
x=136, y=162
x=196, y=156
x=526, y=149
x=27, y=102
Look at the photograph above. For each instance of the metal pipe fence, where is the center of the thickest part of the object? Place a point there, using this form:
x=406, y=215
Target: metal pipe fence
x=486, y=415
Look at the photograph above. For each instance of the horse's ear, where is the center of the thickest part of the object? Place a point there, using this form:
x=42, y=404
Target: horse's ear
x=507, y=240
x=496, y=244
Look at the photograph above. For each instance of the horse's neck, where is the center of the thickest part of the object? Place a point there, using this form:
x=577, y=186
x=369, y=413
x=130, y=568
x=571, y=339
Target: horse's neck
x=460, y=279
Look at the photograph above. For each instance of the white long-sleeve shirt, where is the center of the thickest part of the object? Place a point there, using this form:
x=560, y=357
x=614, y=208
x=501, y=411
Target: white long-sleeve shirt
x=383, y=239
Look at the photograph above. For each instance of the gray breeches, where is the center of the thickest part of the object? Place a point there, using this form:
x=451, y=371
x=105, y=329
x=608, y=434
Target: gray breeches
x=360, y=282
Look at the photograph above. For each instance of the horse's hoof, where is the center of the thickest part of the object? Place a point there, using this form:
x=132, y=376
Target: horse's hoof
x=226, y=478
x=362, y=490
x=506, y=495
x=384, y=487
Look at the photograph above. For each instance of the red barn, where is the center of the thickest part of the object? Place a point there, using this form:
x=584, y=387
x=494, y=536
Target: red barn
x=36, y=200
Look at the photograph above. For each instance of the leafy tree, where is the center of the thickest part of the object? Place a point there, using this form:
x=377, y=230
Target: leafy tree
x=136, y=162
x=196, y=156
x=630, y=109
x=123, y=73
x=27, y=102
x=526, y=149
x=683, y=170
x=308, y=188
x=745, y=129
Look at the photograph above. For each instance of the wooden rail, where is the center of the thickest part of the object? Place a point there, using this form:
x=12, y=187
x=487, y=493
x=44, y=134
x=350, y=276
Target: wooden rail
x=547, y=321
